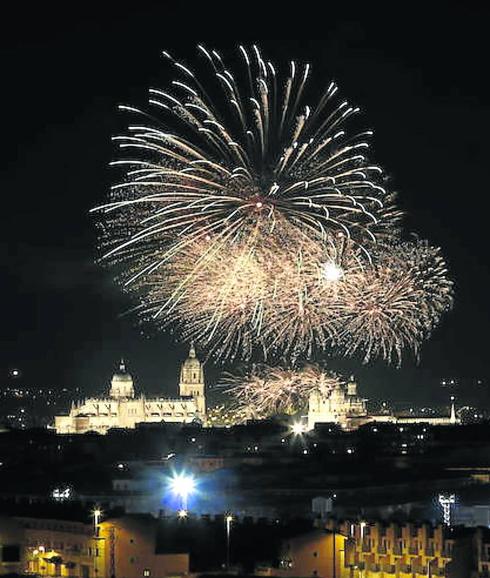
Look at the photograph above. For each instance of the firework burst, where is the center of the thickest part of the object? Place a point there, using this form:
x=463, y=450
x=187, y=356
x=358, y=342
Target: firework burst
x=268, y=391
x=394, y=305
x=250, y=218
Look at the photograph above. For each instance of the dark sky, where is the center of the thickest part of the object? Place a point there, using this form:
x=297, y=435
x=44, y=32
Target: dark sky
x=419, y=76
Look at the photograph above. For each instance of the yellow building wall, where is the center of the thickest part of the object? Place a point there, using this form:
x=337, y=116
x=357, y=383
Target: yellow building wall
x=52, y=548
x=312, y=555
x=130, y=551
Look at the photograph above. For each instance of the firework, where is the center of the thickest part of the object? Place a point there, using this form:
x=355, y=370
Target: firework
x=267, y=391
x=394, y=305
x=249, y=167
x=250, y=219
x=274, y=300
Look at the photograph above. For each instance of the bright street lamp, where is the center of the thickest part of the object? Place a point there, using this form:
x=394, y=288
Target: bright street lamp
x=97, y=515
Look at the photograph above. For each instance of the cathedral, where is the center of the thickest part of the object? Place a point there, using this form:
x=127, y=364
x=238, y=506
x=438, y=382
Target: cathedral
x=121, y=408
x=343, y=406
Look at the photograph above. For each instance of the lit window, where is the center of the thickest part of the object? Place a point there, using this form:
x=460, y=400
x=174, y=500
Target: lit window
x=146, y=572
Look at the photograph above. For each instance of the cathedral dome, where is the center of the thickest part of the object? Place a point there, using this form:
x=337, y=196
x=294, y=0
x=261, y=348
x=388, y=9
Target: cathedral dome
x=122, y=383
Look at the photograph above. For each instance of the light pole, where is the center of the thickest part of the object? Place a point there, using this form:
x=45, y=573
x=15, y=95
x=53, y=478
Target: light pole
x=97, y=515
x=228, y=521
x=362, y=526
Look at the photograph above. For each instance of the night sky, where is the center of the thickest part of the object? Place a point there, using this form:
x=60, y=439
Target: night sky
x=420, y=79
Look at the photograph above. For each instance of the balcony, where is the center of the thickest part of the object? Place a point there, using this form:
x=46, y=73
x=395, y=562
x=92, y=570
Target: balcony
x=430, y=550
x=413, y=550
x=397, y=549
x=381, y=548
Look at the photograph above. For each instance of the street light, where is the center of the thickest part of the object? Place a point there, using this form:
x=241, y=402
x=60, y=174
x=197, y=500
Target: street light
x=228, y=521
x=97, y=515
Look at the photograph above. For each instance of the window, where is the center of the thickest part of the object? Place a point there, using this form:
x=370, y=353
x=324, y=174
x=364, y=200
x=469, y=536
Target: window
x=315, y=554
x=146, y=572
x=131, y=560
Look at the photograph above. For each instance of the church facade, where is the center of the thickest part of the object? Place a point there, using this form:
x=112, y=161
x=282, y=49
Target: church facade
x=342, y=406
x=121, y=408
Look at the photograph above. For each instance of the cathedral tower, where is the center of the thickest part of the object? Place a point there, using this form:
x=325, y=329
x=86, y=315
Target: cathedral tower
x=192, y=380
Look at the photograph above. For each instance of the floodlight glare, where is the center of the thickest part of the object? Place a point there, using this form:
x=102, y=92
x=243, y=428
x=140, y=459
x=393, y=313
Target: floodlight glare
x=183, y=485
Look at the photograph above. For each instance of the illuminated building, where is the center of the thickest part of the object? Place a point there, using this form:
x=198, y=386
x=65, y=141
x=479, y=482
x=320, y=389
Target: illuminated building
x=401, y=550
x=122, y=409
x=132, y=550
x=126, y=547
x=370, y=550
x=49, y=548
x=342, y=406
x=317, y=553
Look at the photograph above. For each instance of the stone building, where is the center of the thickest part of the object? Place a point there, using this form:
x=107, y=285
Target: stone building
x=343, y=406
x=121, y=408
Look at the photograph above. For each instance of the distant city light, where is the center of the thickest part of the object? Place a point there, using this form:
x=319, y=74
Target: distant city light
x=15, y=373
x=298, y=428
x=182, y=514
x=61, y=494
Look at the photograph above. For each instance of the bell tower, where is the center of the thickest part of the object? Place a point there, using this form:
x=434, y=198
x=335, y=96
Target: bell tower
x=192, y=380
